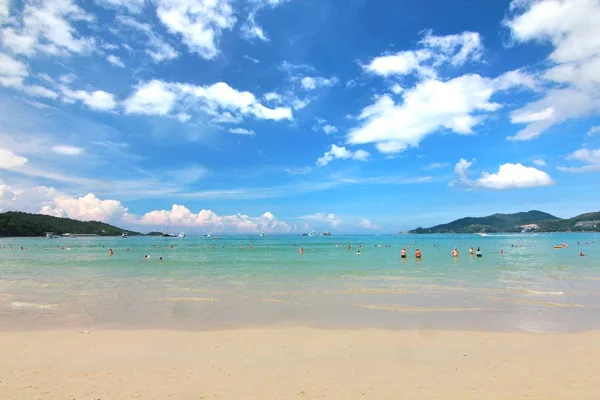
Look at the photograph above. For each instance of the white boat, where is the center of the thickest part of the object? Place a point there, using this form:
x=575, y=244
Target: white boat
x=182, y=235
x=313, y=233
x=262, y=234
x=124, y=235
x=51, y=235
x=326, y=234
x=208, y=235
x=482, y=234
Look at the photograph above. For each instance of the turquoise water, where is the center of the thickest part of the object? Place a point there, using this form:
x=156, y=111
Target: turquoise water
x=214, y=283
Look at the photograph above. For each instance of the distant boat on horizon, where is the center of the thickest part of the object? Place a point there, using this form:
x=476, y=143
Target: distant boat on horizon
x=124, y=235
x=262, y=234
x=326, y=234
x=182, y=235
x=208, y=235
x=313, y=233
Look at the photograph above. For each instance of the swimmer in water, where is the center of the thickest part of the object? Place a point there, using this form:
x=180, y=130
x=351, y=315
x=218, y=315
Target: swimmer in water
x=147, y=257
x=455, y=252
x=160, y=258
x=110, y=252
x=418, y=254
x=471, y=251
x=501, y=251
x=582, y=254
x=403, y=253
x=479, y=252
x=301, y=251
x=358, y=253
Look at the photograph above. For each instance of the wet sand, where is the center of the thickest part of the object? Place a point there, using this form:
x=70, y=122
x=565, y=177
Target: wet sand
x=298, y=363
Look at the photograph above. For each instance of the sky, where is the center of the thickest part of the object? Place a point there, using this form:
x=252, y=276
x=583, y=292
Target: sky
x=286, y=116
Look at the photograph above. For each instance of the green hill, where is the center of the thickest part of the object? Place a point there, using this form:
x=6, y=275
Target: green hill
x=24, y=224
x=512, y=223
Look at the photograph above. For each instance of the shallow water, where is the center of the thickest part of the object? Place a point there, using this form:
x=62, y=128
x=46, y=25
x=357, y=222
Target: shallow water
x=210, y=283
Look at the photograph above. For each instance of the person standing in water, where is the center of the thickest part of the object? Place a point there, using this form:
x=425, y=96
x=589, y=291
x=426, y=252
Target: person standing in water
x=471, y=251
x=455, y=252
x=403, y=253
x=301, y=251
x=418, y=254
x=110, y=252
x=479, y=254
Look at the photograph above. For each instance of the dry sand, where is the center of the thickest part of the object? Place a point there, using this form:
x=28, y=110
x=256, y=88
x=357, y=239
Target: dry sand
x=298, y=363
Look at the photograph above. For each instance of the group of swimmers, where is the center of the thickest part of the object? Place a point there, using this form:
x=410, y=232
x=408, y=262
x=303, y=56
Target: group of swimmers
x=454, y=253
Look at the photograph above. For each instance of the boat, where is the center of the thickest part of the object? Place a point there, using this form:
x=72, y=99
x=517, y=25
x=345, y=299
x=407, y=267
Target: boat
x=482, y=234
x=305, y=234
x=262, y=234
x=313, y=233
x=326, y=234
x=168, y=235
x=182, y=235
x=208, y=235
x=51, y=235
x=124, y=235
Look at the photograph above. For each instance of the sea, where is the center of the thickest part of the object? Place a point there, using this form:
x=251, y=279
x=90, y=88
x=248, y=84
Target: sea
x=521, y=283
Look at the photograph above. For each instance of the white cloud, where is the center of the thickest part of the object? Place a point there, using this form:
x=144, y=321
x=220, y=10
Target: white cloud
x=133, y=6
x=432, y=105
x=367, y=224
x=509, y=176
x=151, y=98
x=10, y=160
x=455, y=49
x=116, y=61
x=274, y=97
x=539, y=162
x=199, y=22
x=241, y=131
x=158, y=49
x=96, y=100
x=45, y=27
x=330, y=218
x=329, y=129
x=4, y=9
x=436, y=50
x=251, y=30
x=219, y=100
x=181, y=216
x=527, y=117
x=591, y=159
x=397, y=89
x=254, y=60
x=39, y=91
x=572, y=29
x=435, y=165
x=337, y=152
x=312, y=83
x=183, y=117
x=67, y=150
x=86, y=208
x=12, y=71
x=593, y=130
x=299, y=171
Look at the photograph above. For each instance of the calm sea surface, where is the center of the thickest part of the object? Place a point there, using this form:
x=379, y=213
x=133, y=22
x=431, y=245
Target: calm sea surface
x=215, y=283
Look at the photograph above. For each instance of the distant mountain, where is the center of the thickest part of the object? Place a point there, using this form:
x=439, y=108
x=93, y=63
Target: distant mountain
x=24, y=224
x=513, y=223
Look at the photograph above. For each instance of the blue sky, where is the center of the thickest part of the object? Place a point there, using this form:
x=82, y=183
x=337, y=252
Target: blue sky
x=290, y=115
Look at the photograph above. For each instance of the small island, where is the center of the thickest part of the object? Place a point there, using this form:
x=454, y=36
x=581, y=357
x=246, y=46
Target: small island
x=530, y=221
x=20, y=224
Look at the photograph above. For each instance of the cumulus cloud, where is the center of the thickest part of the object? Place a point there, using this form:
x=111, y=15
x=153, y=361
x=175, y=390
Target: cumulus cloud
x=180, y=215
x=330, y=218
x=509, y=176
x=457, y=105
x=218, y=100
x=158, y=49
x=539, y=162
x=198, y=22
x=67, y=150
x=46, y=27
x=85, y=208
x=10, y=160
x=329, y=129
x=590, y=159
x=98, y=100
x=572, y=29
x=435, y=50
x=4, y=11
x=337, y=152
x=116, y=61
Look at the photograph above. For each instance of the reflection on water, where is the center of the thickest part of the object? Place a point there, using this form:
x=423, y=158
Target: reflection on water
x=208, y=284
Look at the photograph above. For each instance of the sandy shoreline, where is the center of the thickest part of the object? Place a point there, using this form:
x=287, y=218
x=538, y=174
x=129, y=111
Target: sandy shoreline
x=298, y=363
